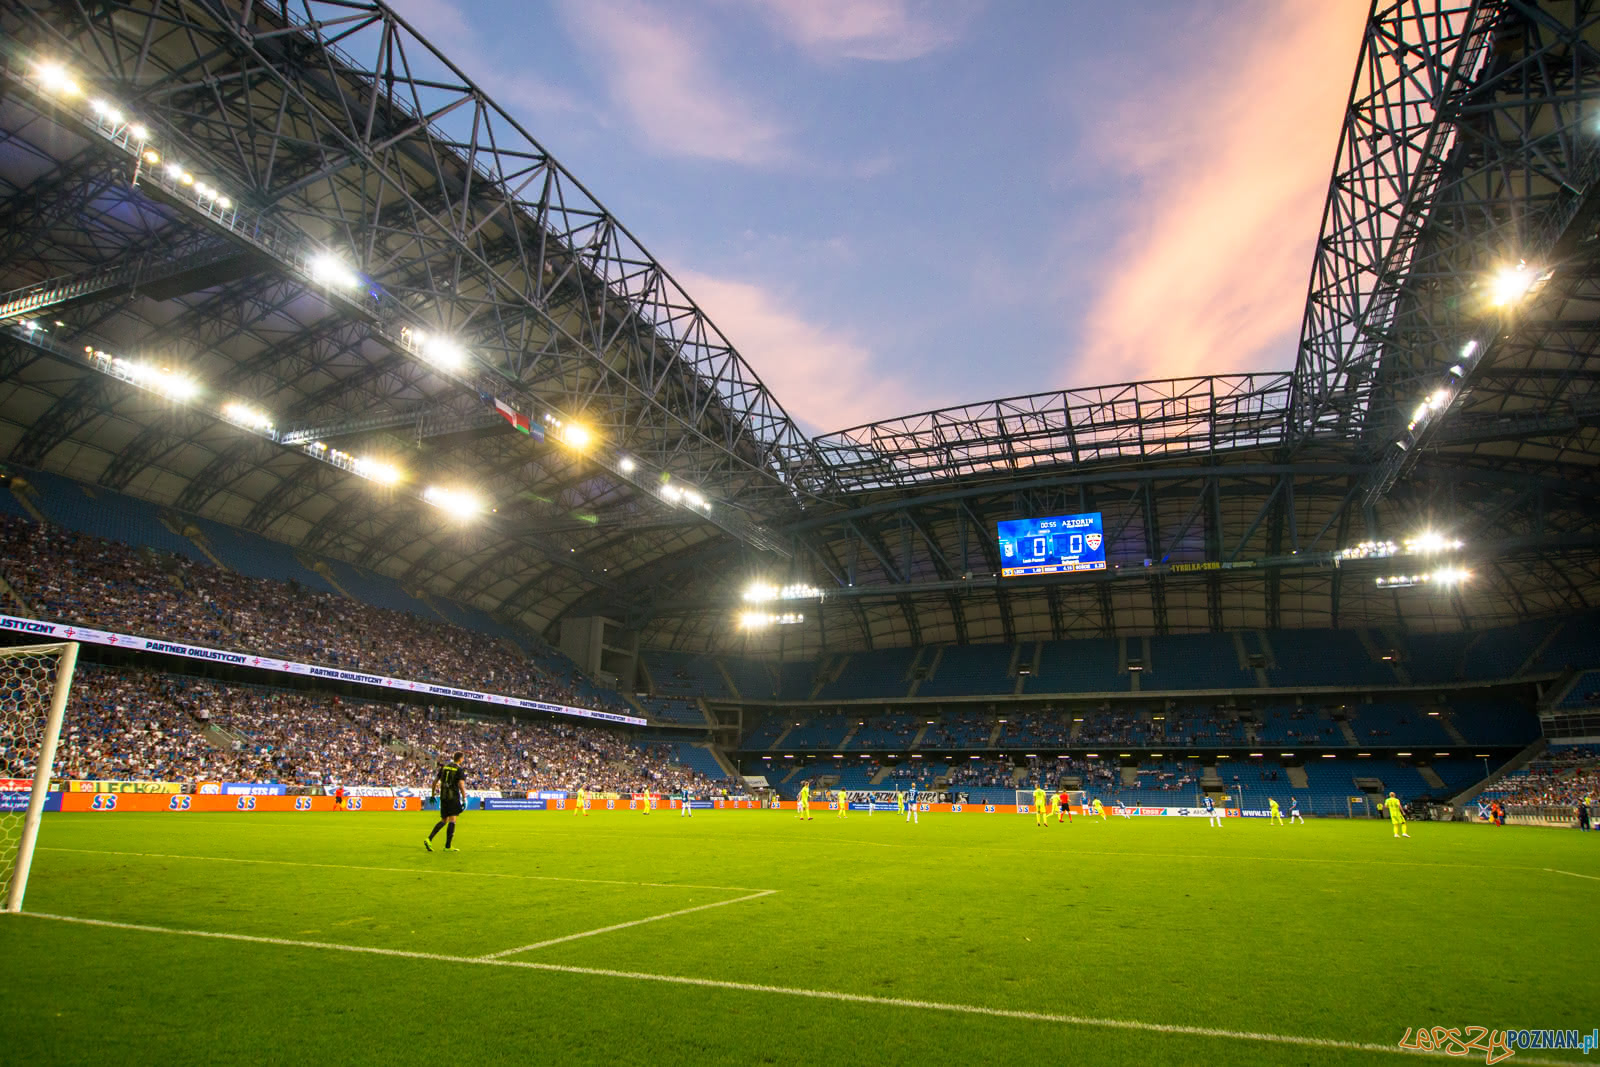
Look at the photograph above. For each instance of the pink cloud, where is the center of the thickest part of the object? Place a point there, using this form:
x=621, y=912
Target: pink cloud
x=659, y=75
x=883, y=30
x=824, y=377
x=1228, y=171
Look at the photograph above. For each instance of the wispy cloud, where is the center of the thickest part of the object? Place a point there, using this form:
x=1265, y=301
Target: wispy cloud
x=825, y=377
x=445, y=23
x=881, y=30
x=1227, y=171
x=657, y=65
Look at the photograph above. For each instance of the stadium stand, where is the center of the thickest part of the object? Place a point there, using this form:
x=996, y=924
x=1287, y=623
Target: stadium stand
x=88, y=580
x=1501, y=654
x=1324, y=658
x=1584, y=691
x=1085, y=666
x=1195, y=661
x=146, y=725
x=680, y=710
x=1574, y=646
x=681, y=674
x=1563, y=775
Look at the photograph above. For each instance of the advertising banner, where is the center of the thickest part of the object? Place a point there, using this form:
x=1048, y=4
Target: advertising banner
x=69, y=632
x=84, y=786
x=254, y=789
x=514, y=804
x=365, y=790
x=211, y=802
x=17, y=800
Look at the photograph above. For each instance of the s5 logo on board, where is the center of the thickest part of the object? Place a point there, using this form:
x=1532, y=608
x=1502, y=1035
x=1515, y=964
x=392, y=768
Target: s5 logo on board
x=353, y=804
x=302, y=803
x=399, y=803
x=179, y=803
x=246, y=804
x=103, y=802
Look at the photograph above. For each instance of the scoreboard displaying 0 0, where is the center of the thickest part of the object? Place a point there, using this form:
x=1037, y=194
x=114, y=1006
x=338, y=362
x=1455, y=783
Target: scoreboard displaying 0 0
x=1060, y=544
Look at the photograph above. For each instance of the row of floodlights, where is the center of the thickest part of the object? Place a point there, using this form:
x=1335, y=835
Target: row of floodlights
x=324, y=268
x=765, y=593
x=760, y=620
x=1444, y=578
x=1427, y=543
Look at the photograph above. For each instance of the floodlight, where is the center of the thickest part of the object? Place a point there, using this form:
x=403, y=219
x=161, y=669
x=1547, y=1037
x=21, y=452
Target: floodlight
x=53, y=78
x=327, y=269
x=576, y=436
x=106, y=111
x=626, y=464
x=139, y=132
x=754, y=620
x=375, y=471
x=693, y=499
x=151, y=156
x=174, y=171
x=1511, y=284
x=760, y=593
x=224, y=203
x=1469, y=348
x=1457, y=371
x=440, y=351
x=1448, y=576
x=458, y=503
x=245, y=415
x=1429, y=542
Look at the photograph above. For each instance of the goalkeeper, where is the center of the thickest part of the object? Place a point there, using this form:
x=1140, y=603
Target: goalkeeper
x=449, y=784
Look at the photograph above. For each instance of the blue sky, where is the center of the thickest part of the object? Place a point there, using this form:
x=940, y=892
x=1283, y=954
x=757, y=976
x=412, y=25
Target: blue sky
x=891, y=205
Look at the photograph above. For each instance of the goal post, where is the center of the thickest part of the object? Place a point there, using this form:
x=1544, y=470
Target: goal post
x=34, y=683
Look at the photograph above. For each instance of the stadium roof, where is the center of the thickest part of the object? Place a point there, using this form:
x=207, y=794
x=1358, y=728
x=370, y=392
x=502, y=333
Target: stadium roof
x=351, y=197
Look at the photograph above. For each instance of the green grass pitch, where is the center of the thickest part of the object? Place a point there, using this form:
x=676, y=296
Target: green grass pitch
x=1197, y=937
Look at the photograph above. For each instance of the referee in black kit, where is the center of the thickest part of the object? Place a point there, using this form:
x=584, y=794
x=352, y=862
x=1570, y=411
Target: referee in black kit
x=449, y=785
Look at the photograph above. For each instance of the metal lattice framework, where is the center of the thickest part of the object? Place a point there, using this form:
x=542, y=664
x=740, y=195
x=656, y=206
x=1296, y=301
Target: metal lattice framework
x=334, y=127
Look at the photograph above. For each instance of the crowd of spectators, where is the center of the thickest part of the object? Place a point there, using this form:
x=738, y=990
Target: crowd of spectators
x=70, y=577
x=1561, y=777
x=127, y=724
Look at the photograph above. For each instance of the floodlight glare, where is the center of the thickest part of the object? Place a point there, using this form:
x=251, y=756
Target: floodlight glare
x=1511, y=284
x=456, y=502
x=1449, y=576
x=626, y=464
x=760, y=593
x=327, y=269
x=53, y=78
x=374, y=471
x=440, y=351
x=1429, y=542
x=151, y=156
x=245, y=415
x=140, y=133
x=576, y=436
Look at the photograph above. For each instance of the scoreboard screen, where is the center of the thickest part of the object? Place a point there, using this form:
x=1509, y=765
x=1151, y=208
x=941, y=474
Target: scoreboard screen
x=1061, y=544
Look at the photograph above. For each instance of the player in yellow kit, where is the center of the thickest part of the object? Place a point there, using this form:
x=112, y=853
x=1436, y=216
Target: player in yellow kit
x=1099, y=809
x=803, y=803
x=582, y=807
x=844, y=802
x=1397, y=816
x=1039, y=817
x=1277, y=815
x=900, y=801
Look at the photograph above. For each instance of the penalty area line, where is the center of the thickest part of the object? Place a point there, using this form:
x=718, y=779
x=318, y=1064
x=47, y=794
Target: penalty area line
x=1176, y=1029
x=406, y=870
x=1573, y=874
x=624, y=926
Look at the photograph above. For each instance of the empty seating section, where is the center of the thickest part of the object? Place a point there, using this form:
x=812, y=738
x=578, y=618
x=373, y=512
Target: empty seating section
x=796, y=678
x=1115, y=728
x=1021, y=731
x=819, y=732
x=1584, y=692
x=681, y=710
x=1501, y=652
x=1288, y=725
x=1195, y=661
x=754, y=679
x=1488, y=722
x=1575, y=646
x=685, y=674
x=869, y=675
x=375, y=590
x=970, y=670
x=1436, y=658
x=885, y=733
x=1324, y=658
x=106, y=514
x=697, y=759
x=764, y=730
x=1396, y=724
x=961, y=729
x=256, y=557
x=1204, y=726
x=1085, y=666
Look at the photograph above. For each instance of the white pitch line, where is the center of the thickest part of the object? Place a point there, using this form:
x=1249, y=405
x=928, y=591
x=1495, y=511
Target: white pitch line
x=1573, y=874
x=1328, y=1043
x=409, y=870
x=624, y=926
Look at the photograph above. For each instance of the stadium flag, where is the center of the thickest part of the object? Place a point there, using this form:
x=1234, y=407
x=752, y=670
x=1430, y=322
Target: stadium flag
x=517, y=419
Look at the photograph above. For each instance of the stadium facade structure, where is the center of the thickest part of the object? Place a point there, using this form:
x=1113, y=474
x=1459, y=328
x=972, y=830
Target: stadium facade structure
x=1469, y=143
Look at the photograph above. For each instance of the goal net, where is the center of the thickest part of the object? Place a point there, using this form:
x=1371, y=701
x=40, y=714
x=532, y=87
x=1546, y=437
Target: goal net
x=34, y=681
x=1076, y=798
